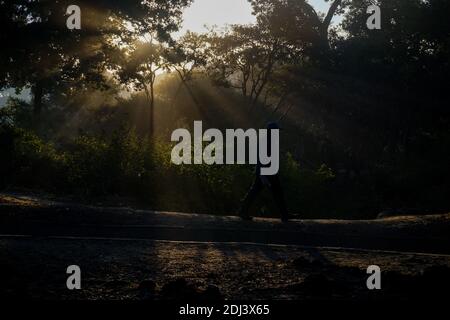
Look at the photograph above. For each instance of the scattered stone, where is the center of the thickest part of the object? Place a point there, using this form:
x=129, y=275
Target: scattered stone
x=354, y=272
x=147, y=289
x=147, y=285
x=212, y=293
x=179, y=289
x=409, y=285
x=317, y=285
x=438, y=273
x=436, y=280
x=302, y=263
x=395, y=280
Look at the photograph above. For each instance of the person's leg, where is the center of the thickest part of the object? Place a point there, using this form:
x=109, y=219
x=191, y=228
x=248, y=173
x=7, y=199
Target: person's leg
x=250, y=197
x=278, y=194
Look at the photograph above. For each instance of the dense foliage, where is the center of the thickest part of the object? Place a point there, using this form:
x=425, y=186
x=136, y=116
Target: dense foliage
x=365, y=112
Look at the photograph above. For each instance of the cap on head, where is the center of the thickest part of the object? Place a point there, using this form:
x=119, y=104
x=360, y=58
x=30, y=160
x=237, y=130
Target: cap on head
x=273, y=125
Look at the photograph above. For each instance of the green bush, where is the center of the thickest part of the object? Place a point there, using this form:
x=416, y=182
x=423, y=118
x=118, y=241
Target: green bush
x=123, y=164
x=28, y=160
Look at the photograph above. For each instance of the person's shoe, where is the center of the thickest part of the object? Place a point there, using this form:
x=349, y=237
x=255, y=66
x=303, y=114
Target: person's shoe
x=245, y=217
x=287, y=217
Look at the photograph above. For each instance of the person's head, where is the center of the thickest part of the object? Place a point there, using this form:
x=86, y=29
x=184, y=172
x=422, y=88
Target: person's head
x=273, y=125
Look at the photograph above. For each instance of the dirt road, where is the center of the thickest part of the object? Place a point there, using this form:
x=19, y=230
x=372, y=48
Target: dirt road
x=137, y=254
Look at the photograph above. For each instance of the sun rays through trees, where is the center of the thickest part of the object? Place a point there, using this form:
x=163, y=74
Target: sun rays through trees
x=364, y=111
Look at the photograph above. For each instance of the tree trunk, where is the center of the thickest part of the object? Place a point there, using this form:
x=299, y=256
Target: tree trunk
x=37, y=92
x=150, y=100
x=325, y=41
x=321, y=45
x=175, y=96
x=331, y=12
x=152, y=110
x=191, y=94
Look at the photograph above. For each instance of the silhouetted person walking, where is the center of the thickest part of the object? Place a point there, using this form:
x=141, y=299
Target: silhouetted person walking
x=261, y=181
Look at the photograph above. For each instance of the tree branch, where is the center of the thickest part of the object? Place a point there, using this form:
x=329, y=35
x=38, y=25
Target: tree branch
x=331, y=13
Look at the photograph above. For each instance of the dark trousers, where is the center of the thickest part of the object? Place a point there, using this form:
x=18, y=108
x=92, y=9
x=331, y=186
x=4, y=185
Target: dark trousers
x=273, y=183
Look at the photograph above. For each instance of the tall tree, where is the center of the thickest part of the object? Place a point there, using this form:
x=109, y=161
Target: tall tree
x=297, y=22
x=187, y=57
x=144, y=60
x=244, y=58
x=43, y=55
x=413, y=42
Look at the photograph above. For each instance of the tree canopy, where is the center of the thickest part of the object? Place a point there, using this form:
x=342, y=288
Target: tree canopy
x=48, y=57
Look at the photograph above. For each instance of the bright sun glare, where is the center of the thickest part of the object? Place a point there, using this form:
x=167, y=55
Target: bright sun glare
x=216, y=13
x=207, y=13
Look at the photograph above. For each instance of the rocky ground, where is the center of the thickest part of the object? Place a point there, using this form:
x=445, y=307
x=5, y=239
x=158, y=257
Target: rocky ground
x=122, y=266
x=147, y=269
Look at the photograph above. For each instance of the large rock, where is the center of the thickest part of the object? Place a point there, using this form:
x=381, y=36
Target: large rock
x=181, y=289
x=147, y=289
